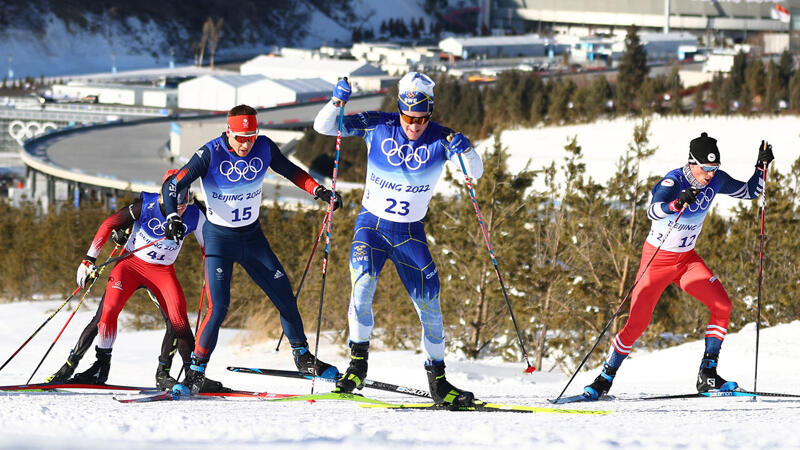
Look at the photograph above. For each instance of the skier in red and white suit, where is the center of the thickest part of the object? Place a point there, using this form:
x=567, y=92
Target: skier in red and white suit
x=151, y=268
x=694, y=187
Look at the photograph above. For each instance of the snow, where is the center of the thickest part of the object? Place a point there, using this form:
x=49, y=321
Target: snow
x=80, y=420
x=603, y=142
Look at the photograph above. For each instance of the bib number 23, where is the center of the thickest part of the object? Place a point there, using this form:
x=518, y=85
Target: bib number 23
x=400, y=208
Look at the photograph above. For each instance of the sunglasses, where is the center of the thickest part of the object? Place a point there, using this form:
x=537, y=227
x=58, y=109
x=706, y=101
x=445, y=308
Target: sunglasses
x=242, y=139
x=708, y=168
x=420, y=120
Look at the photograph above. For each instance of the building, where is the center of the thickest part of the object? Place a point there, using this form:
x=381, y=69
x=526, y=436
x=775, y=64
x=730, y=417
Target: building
x=393, y=58
x=363, y=76
x=495, y=46
x=120, y=94
x=223, y=92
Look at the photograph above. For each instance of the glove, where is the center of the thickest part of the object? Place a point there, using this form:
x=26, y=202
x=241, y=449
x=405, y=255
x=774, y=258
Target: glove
x=764, y=154
x=459, y=144
x=341, y=93
x=324, y=194
x=687, y=197
x=86, y=270
x=174, y=230
x=120, y=237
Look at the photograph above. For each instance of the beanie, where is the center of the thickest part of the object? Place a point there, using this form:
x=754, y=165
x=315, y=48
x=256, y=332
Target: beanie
x=703, y=150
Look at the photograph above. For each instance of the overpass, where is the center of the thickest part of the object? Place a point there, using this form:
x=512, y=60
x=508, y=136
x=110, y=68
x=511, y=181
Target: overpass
x=109, y=159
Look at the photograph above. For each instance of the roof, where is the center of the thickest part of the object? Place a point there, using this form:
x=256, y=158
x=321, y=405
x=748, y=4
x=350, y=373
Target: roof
x=235, y=80
x=343, y=66
x=526, y=39
x=306, y=85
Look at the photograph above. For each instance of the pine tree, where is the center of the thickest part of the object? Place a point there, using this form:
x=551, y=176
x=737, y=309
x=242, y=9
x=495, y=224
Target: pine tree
x=772, y=89
x=755, y=81
x=631, y=72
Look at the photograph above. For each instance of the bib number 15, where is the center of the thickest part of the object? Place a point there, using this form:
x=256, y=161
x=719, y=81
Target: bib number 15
x=400, y=208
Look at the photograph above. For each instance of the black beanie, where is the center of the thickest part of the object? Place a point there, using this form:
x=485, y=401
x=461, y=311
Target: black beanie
x=703, y=150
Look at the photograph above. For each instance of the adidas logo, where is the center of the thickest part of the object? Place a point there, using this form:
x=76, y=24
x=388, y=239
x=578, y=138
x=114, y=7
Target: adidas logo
x=278, y=274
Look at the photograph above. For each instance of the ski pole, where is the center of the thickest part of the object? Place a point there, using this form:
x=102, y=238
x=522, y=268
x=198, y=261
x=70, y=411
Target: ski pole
x=95, y=277
x=77, y=289
x=129, y=254
x=328, y=236
x=763, y=205
x=624, y=301
x=530, y=368
x=305, y=272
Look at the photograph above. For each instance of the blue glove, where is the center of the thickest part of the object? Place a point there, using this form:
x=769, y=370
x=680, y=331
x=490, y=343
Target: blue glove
x=459, y=144
x=341, y=93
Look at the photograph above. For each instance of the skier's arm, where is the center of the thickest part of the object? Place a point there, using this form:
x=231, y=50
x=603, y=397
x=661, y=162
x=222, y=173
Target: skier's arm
x=123, y=218
x=290, y=171
x=194, y=169
x=740, y=189
x=458, y=144
x=327, y=121
x=665, y=195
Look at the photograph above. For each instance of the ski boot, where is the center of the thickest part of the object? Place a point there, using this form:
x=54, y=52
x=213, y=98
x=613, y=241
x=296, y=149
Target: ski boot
x=66, y=371
x=97, y=373
x=602, y=384
x=195, y=377
x=210, y=385
x=356, y=371
x=306, y=363
x=442, y=392
x=163, y=380
x=708, y=379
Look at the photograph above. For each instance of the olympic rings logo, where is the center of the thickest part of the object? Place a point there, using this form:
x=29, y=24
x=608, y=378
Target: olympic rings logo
x=235, y=171
x=157, y=226
x=396, y=155
x=703, y=200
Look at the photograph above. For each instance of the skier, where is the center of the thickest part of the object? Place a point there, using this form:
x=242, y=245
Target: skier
x=406, y=153
x=169, y=344
x=231, y=168
x=693, y=187
x=151, y=268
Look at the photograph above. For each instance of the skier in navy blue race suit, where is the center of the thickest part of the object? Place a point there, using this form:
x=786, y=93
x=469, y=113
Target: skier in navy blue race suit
x=231, y=170
x=406, y=153
x=694, y=186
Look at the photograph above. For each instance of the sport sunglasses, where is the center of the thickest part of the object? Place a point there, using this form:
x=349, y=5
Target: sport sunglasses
x=245, y=138
x=409, y=119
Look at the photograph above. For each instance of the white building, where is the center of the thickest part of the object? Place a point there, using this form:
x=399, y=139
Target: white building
x=363, y=76
x=495, y=46
x=223, y=92
x=393, y=58
x=119, y=94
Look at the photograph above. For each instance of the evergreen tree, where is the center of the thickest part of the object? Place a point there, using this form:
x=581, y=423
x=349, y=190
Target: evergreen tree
x=675, y=87
x=794, y=91
x=772, y=89
x=738, y=74
x=631, y=72
x=755, y=81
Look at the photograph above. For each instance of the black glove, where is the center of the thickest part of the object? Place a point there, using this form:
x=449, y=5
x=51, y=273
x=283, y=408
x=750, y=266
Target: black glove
x=120, y=237
x=324, y=194
x=764, y=154
x=174, y=230
x=687, y=197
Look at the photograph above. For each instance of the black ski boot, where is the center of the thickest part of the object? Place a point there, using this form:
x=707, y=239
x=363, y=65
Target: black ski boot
x=97, y=373
x=707, y=378
x=442, y=392
x=356, y=371
x=163, y=380
x=210, y=385
x=306, y=363
x=195, y=377
x=66, y=371
x=602, y=384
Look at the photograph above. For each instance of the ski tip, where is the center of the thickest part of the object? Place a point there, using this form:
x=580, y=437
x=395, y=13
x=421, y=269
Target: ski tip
x=311, y=400
x=530, y=369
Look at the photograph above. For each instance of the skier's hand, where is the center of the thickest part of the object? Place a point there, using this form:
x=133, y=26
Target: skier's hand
x=341, y=93
x=458, y=143
x=120, y=237
x=86, y=270
x=174, y=230
x=687, y=197
x=324, y=194
x=765, y=155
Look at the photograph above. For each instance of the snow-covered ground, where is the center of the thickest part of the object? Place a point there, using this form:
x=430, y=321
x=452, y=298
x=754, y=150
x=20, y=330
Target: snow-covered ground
x=603, y=143
x=34, y=420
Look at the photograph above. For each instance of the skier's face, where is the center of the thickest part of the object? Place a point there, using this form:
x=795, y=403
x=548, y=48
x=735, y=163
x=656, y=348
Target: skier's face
x=414, y=123
x=703, y=173
x=241, y=146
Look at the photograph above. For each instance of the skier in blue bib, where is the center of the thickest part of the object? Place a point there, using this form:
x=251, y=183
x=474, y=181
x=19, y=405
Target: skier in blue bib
x=231, y=170
x=406, y=153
